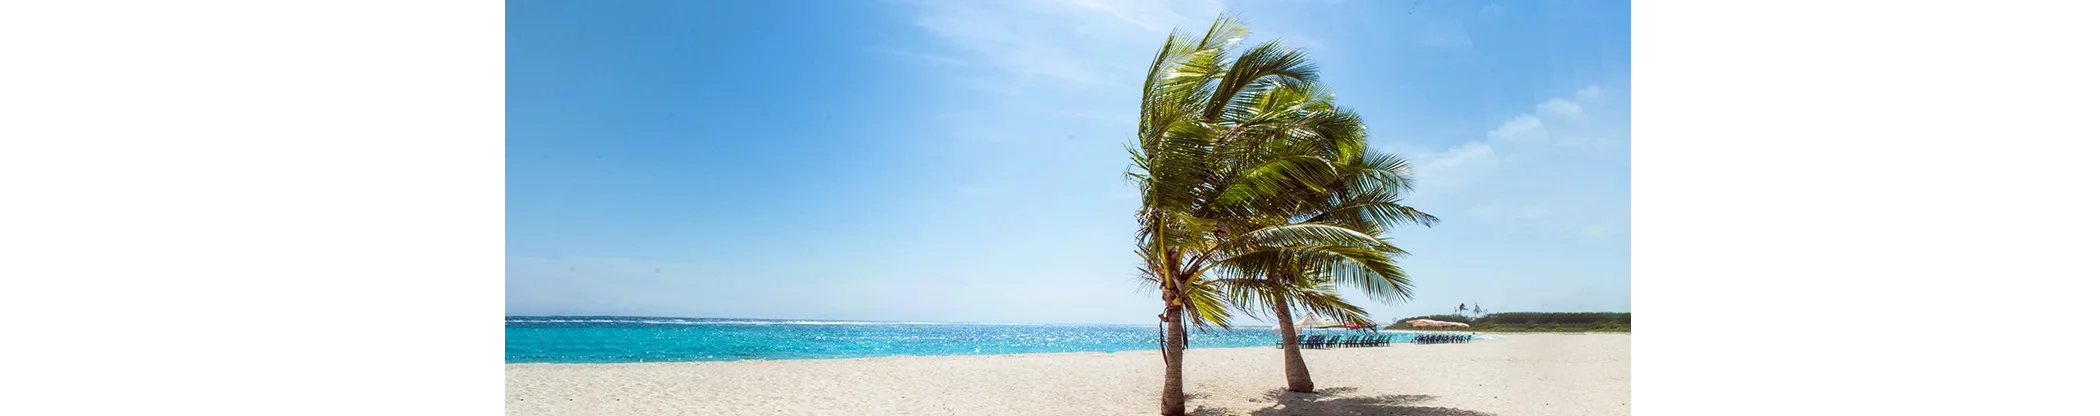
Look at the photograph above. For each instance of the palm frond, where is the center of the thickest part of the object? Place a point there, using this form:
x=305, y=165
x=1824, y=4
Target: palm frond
x=1269, y=61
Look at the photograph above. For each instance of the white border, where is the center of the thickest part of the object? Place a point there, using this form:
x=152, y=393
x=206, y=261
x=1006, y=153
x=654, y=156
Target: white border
x=252, y=207
x=270, y=207
x=1863, y=207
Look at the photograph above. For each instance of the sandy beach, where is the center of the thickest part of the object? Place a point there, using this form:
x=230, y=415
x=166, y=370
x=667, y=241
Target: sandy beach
x=1517, y=374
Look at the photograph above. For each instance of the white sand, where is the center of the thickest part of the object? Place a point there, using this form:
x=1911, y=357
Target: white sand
x=1522, y=374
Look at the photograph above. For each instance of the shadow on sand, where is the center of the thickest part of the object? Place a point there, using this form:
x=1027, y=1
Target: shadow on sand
x=1327, y=402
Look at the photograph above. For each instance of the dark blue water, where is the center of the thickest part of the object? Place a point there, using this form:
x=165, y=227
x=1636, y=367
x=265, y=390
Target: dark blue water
x=606, y=339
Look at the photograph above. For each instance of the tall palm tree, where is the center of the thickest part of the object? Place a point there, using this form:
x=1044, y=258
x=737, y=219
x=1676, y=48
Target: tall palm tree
x=1364, y=197
x=1217, y=165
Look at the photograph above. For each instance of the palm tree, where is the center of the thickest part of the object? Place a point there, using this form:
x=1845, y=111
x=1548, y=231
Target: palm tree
x=1219, y=159
x=1364, y=197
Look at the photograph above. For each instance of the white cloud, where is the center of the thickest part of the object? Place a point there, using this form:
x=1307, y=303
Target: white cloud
x=1070, y=60
x=1557, y=121
x=1055, y=45
x=1561, y=108
x=1523, y=128
x=1456, y=166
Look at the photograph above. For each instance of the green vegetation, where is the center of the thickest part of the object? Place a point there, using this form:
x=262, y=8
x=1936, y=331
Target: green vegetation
x=1534, y=322
x=1259, y=194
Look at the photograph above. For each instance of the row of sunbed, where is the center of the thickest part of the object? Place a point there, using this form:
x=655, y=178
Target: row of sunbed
x=1373, y=340
x=1333, y=341
x=1442, y=338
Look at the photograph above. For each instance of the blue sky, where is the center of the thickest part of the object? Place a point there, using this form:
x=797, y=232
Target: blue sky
x=963, y=160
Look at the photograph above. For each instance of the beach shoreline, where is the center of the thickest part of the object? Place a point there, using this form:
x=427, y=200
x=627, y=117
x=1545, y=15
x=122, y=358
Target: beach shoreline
x=1515, y=374
x=899, y=356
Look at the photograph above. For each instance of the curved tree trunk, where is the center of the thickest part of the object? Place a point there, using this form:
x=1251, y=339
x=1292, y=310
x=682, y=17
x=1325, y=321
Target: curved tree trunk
x=1295, y=377
x=1170, y=397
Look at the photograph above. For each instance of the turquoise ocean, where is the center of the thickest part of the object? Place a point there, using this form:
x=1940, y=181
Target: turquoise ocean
x=617, y=339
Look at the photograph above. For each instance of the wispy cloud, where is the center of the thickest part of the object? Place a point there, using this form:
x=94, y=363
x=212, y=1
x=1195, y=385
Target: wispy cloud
x=1455, y=167
x=1519, y=129
x=1496, y=179
x=1055, y=44
x=1030, y=64
x=1563, y=109
x=1557, y=121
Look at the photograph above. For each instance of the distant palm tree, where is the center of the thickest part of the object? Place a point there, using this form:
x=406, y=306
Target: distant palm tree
x=1219, y=158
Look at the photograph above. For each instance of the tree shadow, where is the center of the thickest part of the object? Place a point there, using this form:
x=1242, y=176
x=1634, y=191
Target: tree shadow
x=1328, y=402
x=1282, y=394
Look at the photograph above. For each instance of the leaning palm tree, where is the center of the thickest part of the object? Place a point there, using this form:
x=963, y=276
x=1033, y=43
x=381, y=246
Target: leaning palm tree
x=1364, y=197
x=1217, y=165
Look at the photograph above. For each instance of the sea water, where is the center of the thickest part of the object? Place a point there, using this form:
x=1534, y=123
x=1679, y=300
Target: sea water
x=606, y=339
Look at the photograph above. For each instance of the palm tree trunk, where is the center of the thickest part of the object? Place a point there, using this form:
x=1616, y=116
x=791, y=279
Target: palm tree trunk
x=1170, y=397
x=1295, y=377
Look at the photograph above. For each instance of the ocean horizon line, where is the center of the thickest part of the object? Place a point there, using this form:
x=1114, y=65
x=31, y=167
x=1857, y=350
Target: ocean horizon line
x=776, y=321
